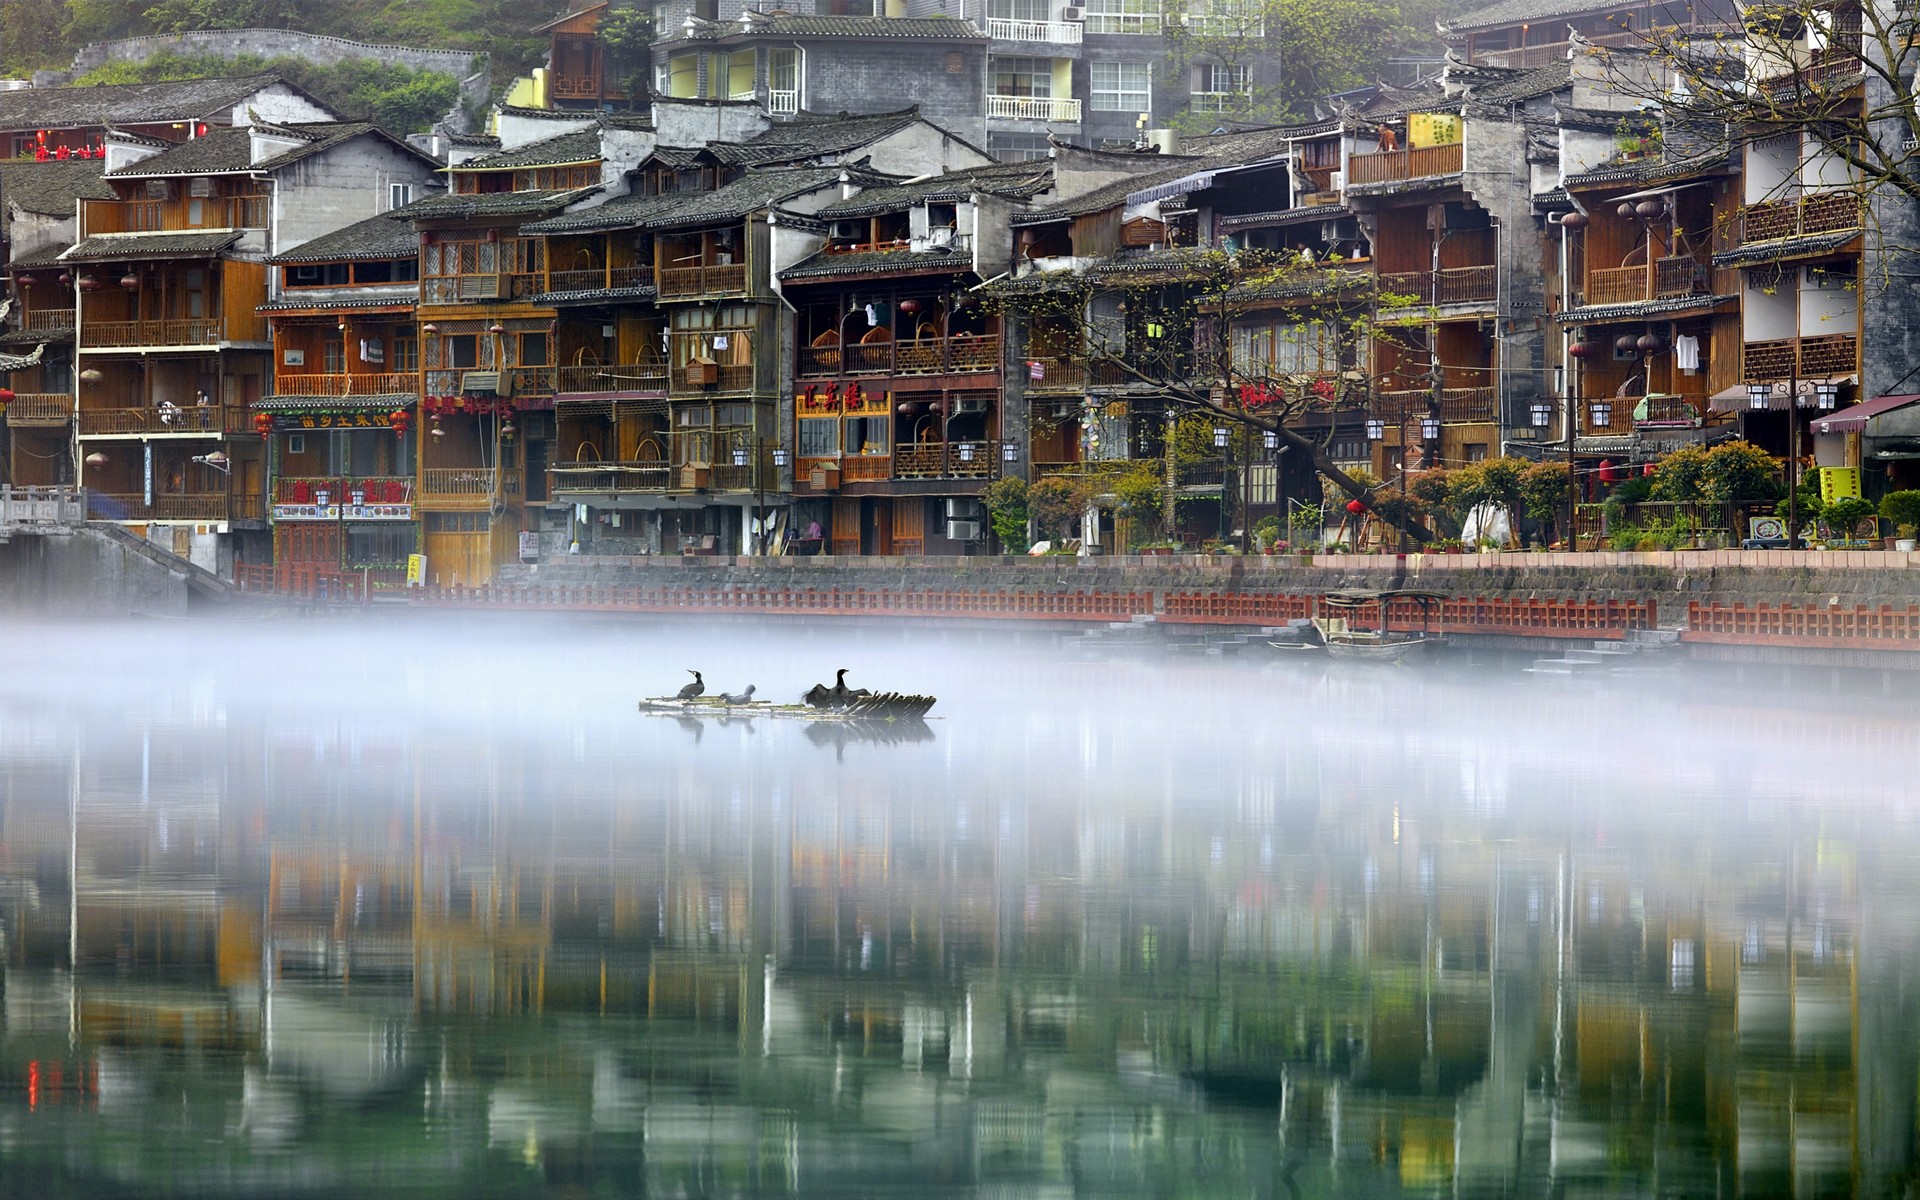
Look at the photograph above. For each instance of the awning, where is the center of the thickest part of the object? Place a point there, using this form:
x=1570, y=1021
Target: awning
x=1735, y=399
x=1898, y=423
x=1667, y=190
x=1854, y=419
x=1174, y=187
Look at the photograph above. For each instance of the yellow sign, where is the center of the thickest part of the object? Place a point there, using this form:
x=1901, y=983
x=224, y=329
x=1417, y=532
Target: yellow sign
x=1839, y=483
x=416, y=570
x=1432, y=129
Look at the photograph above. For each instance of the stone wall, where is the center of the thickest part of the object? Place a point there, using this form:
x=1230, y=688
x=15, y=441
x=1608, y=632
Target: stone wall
x=85, y=574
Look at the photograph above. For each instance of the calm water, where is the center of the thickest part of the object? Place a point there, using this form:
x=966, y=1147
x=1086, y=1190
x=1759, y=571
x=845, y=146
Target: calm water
x=322, y=908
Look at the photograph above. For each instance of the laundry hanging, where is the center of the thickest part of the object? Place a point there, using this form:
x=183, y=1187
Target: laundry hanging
x=1686, y=353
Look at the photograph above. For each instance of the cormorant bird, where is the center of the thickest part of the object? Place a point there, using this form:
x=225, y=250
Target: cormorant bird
x=817, y=696
x=694, y=690
x=745, y=697
x=840, y=695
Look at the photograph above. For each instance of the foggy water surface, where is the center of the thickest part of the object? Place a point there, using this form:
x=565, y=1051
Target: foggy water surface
x=428, y=908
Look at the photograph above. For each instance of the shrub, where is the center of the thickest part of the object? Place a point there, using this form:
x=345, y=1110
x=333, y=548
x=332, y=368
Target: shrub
x=1006, y=501
x=1843, y=516
x=1678, y=477
x=1738, y=472
x=1054, y=504
x=1903, y=509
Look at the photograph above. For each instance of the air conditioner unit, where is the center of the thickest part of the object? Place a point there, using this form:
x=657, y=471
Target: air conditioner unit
x=973, y=404
x=848, y=231
x=1346, y=229
x=1073, y=12
x=962, y=510
x=1337, y=180
x=963, y=531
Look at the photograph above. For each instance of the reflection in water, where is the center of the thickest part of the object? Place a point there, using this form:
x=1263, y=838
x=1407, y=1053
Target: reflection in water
x=434, y=911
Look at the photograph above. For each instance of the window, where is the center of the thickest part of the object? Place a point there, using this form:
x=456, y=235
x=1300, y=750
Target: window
x=1017, y=147
x=868, y=435
x=399, y=195
x=406, y=354
x=379, y=546
x=463, y=350
x=1220, y=78
x=1020, y=10
x=1225, y=19
x=1476, y=451
x=1123, y=16
x=533, y=350
x=1029, y=77
x=1120, y=86
x=819, y=437
x=333, y=356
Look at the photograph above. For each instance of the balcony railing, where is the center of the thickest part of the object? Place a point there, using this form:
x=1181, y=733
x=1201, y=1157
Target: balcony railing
x=40, y=408
x=197, y=331
x=610, y=477
x=1807, y=358
x=599, y=279
x=338, y=383
x=687, y=379
x=1056, y=375
x=200, y=419
x=1390, y=166
x=1458, y=406
x=1058, y=33
x=191, y=506
x=613, y=377
x=1449, y=285
x=1032, y=108
x=961, y=354
x=783, y=102
x=714, y=280
x=1818, y=212
x=47, y=320
x=947, y=460
x=465, y=487
x=1660, y=410
x=575, y=87
x=145, y=216
x=1678, y=275
x=347, y=490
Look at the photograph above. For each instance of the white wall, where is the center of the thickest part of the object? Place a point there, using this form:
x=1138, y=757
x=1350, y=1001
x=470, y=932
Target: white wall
x=1827, y=310
x=339, y=186
x=1773, y=169
x=1767, y=318
x=279, y=104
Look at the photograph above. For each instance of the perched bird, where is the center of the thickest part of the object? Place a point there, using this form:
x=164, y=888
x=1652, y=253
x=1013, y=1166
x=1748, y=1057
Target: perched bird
x=745, y=697
x=817, y=696
x=694, y=690
x=840, y=694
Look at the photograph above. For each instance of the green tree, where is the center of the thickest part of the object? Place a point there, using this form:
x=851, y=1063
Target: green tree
x=627, y=34
x=1544, y=490
x=1006, y=501
x=1056, y=506
x=1680, y=477
x=1737, y=473
x=33, y=37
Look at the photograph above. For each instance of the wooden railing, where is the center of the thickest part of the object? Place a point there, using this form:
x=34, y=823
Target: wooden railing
x=947, y=460
x=461, y=487
x=961, y=354
x=610, y=477
x=599, y=279
x=865, y=468
x=1449, y=285
x=193, y=506
x=1390, y=166
x=727, y=377
x=1817, y=212
x=40, y=408
x=1057, y=375
x=1676, y=275
x=1616, y=285
x=48, y=320
x=1831, y=354
x=211, y=418
x=146, y=216
x=370, y=489
x=613, y=377
x=338, y=383
x=1458, y=406
x=1663, y=410
x=199, y=331
x=575, y=87
x=718, y=279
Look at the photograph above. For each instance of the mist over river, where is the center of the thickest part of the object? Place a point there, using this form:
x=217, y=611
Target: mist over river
x=427, y=907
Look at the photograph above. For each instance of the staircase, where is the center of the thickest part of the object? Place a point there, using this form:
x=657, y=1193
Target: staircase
x=198, y=579
x=1640, y=650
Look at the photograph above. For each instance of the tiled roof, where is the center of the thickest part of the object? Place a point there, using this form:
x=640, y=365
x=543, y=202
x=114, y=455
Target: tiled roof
x=1521, y=86
x=230, y=150
x=496, y=204
x=813, y=136
x=333, y=301
x=1779, y=248
x=783, y=24
x=16, y=362
x=126, y=103
x=879, y=262
x=372, y=402
x=38, y=337
x=44, y=256
x=574, y=146
x=1600, y=313
x=1513, y=12
x=389, y=235
x=621, y=212
x=1252, y=145
x=1309, y=215
x=748, y=194
x=487, y=140
x=50, y=189
x=105, y=246
x=596, y=295
x=1114, y=194
x=1017, y=180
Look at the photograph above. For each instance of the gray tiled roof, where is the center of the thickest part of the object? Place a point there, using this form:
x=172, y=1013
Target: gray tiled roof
x=574, y=146
x=1513, y=12
x=389, y=235
x=1521, y=86
x=496, y=204
x=371, y=402
x=49, y=189
x=1114, y=194
x=621, y=212
x=1599, y=313
x=1779, y=248
x=333, y=301
x=1018, y=180
x=230, y=150
x=102, y=247
x=748, y=194
x=879, y=262
x=596, y=295
x=814, y=136
x=126, y=103
x=44, y=256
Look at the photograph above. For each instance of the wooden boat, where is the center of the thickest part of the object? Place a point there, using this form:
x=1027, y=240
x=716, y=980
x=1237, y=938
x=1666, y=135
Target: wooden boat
x=1381, y=644
x=881, y=706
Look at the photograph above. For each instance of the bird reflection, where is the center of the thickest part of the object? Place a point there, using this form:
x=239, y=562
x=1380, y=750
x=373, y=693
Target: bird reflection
x=842, y=733
x=693, y=725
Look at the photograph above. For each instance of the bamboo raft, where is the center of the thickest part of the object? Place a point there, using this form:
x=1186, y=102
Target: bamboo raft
x=881, y=706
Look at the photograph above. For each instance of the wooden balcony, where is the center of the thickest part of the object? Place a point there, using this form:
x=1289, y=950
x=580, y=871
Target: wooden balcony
x=599, y=279
x=48, y=320
x=612, y=377
x=191, y=506
x=1449, y=285
x=691, y=379
x=947, y=460
x=1396, y=166
x=347, y=384
x=352, y=490
x=1458, y=406
x=1679, y=275
x=575, y=87
x=724, y=279
x=1680, y=410
x=1057, y=375
x=1805, y=358
x=43, y=409
x=189, y=215
x=959, y=355
x=1818, y=212
x=198, y=331
x=211, y=419
x=609, y=478
x=453, y=489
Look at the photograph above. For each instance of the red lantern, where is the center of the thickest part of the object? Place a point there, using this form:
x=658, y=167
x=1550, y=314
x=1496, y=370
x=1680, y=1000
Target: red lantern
x=399, y=420
x=1607, y=472
x=263, y=425
x=1356, y=507
x=6, y=396
x=1580, y=349
x=1575, y=221
x=909, y=306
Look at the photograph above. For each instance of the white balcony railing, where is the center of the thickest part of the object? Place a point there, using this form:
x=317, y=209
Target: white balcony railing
x=1032, y=108
x=1059, y=33
x=741, y=95
x=783, y=102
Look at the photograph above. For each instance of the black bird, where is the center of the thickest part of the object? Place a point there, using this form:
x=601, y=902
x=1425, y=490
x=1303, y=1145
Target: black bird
x=693, y=690
x=817, y=696
x=840, y=695
x=745, y=697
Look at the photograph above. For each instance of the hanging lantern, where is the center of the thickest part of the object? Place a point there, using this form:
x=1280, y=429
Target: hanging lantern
x=130, y=281
x=263, y=425
x=1356, y=507
x=26, y=281
x=66, y=277
x=89, y=284
x=96, y=459
x=6, y=396
x=1579, y=349
x=429, y=328
x=909, y=306
x=1575, y=221
x=1625, y=209
x=1607, y=472
x=1626, y=343
x=1647, y=343
x=433, y=427
x=904, y=408
x=399, y=419
x=496, y=329
x=1647, y=210
x=91, y=375
x=506, y=427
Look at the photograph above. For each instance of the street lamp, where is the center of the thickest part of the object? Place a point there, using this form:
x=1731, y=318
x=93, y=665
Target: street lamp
x=1376, y=429
x=1220, y=437
x=1542, y=415
x=1827, y=394
x=1269, y=439
x=1430, y=429
x=1759, y=396
x=1601, y=413
x=1009, y=453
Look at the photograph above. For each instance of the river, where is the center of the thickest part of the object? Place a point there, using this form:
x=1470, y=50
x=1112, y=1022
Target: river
x=427, y=908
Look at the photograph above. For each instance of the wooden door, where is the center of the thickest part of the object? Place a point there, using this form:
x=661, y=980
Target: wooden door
x=459, y=559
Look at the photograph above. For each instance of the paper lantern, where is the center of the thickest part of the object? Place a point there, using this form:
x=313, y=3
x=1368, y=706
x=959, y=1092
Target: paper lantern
x=1575, y=221
x=1626, y=343
x=1356, y=507
x=1647, y=343
x=1580, y=349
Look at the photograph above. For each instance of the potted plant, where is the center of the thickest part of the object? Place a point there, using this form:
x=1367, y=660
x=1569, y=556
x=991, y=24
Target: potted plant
x=1903, y=509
